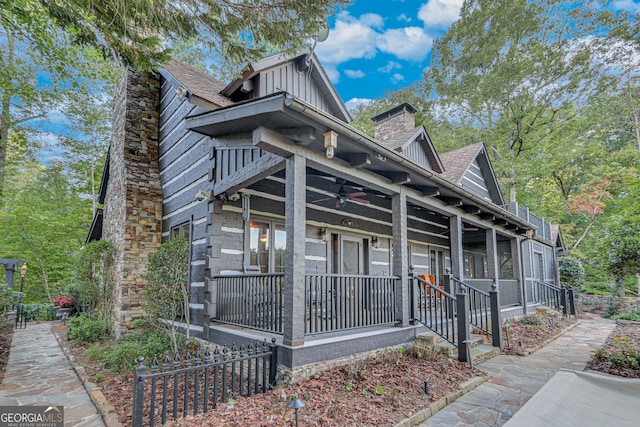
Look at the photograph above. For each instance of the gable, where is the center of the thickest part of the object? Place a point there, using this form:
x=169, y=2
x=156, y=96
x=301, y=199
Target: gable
x=473, y=180
x=301, y=75
x=471, y=168
x=415, y=145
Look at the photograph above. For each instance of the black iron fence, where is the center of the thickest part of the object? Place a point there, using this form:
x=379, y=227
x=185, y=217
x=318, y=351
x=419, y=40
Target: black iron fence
x=175, y=388
x=339, y=302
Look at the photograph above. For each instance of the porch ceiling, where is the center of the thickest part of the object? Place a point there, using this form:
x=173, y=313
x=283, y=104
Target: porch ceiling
x=305, y=126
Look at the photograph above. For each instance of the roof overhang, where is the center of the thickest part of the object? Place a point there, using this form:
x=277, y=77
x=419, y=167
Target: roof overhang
x=284, y=113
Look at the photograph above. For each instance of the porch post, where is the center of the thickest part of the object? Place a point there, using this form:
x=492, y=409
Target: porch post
x=492, y=254
x=455, y=238
x=401, y=256
x=294, y=224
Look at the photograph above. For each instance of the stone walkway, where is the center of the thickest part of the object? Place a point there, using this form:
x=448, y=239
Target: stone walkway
x=516, y=379
x=39, y=373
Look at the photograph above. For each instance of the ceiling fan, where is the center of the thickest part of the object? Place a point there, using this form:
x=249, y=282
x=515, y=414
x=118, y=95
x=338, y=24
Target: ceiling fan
x=343, y=196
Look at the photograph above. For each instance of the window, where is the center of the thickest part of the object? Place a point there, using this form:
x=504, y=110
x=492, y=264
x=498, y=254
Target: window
x=182, y=230
x=475, y=264
x=266, y=248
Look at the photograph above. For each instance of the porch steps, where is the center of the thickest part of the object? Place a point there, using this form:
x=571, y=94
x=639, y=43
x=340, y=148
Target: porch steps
x=481, y=350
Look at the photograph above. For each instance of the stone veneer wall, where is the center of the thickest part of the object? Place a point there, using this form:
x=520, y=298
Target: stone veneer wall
x=133, y=203
x=389, y=127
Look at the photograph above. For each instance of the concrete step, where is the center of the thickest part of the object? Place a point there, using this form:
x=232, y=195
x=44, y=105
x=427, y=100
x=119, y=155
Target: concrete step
x=480, y=353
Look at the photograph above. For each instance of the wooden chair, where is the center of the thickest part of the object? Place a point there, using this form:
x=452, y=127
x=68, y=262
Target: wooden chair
x=432, y=280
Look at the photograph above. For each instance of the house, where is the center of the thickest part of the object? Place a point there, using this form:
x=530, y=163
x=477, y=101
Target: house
x=302, y=228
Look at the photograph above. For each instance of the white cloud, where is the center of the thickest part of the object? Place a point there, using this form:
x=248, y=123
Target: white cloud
x=355, y=74
x=439, y=13
x=354, y=103
x=404, y=18
x=410, y=43
x=631, y=6
x=391, y=65
x=397, y=78
x=350, y=39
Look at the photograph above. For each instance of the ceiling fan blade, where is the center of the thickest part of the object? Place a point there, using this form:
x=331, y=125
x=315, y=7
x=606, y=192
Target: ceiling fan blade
x=323, y=199
x=357, y=194
x=361, y=201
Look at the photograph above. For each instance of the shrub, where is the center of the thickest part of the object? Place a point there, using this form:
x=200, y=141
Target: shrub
x=5, y=301
x=611, y=309
x=94, y=274
x=121, y=356
x=166, y=292
x=84, y=329
x=39, y=311
x=571, y=272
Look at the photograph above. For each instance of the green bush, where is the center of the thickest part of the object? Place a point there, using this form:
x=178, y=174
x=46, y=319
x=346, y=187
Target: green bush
x=611, y=309
x=39, y=311
x=5, y=301
x=121, y=356
x=571, y=272
x=84, y=329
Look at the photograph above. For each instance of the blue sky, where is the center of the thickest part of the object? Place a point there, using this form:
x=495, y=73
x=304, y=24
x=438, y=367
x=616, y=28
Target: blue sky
x=376, y=46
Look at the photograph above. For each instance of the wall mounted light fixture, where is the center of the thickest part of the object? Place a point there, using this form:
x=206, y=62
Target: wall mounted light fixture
x=324, y=234
x=330, y=143
x=375, y=242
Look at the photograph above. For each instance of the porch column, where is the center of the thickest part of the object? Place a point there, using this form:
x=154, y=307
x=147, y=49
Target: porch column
x=294, y=224
x=455, y=238
x=492, y=254
x=401, y=256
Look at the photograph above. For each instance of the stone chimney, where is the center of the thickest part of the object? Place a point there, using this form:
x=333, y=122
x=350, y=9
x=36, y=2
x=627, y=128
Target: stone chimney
x=133, y=200
x=394, y=122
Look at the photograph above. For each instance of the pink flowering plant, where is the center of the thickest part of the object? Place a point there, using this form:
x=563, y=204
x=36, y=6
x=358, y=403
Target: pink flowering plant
x=63, y=301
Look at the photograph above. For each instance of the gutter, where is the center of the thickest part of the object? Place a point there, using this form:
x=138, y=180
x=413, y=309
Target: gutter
x=301, y=107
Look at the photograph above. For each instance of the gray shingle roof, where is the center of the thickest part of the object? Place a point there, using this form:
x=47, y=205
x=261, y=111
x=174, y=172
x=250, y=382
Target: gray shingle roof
x=457, y=161
x=201, y=85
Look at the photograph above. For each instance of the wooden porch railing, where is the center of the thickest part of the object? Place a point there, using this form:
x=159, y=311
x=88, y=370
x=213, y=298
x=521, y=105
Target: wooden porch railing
x=333, y=302
x=339, y=302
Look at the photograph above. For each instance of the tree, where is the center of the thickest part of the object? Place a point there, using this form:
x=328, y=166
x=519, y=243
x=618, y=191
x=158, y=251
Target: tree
x=518, y=71
x=166, y=292
x=140, y=32
x=41, y=73
x=620, y=246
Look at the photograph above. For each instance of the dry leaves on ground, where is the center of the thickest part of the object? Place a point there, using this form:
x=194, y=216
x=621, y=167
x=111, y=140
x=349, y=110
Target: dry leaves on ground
x=6, y=334
x=620, y=354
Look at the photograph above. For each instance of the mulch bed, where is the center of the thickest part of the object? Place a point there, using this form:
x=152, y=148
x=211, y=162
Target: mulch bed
x=5, y=345
x=522, y=339
x=609, y=357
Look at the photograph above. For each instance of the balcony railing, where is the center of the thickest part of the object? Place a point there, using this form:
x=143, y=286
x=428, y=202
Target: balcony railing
x=333, y=302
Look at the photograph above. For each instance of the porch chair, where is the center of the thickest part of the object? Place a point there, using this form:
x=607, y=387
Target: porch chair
x=432, y=280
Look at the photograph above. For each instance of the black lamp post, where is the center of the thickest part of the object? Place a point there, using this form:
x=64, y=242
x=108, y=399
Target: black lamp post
x=23, y=271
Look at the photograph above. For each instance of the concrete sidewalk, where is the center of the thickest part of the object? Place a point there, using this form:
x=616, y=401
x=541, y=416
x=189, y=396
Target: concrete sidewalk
x=516, y=379
x=39, y=373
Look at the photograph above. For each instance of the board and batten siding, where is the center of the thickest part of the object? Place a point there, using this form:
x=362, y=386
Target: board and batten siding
x=287, y=78
x=416, y=152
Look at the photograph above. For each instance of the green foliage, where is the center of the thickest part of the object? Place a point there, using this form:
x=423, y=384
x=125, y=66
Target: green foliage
x=39, y=311
x=166, y=294
x=633, y=314
x=611, y=309
x=94, y=274
x=625, y=353
x=5, y=301
x=144, y=340
x=140, y=32
x=84, y=329
x=571, y=272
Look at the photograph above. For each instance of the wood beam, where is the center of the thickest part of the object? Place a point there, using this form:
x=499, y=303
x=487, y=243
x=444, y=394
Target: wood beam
x=500, y=221
x=451, y=201
x=304, y=135
x=429, y=191
x=488, y=216
x=470, y=209
x=398, y=177
x=358, y=160
x=511, y=227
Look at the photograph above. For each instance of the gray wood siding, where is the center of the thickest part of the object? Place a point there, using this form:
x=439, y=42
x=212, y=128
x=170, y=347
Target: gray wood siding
x=287, y=78
x=415, y=151
x=473, y=180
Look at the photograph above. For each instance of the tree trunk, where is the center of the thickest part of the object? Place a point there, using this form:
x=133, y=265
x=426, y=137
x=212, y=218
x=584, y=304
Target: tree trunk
x=621, y=291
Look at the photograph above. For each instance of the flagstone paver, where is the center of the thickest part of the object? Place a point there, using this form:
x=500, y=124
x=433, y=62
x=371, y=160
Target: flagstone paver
x=516, y=379
x=39, y=373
